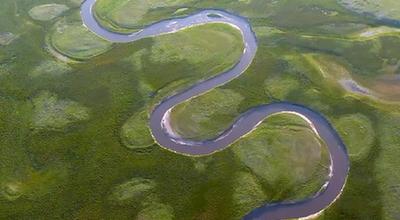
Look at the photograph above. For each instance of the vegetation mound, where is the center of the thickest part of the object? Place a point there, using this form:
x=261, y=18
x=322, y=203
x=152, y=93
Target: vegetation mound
x=50, y=67
x=357, y=133
x=34, y=184
x=11, y=191
x=129, y=15
x=196, y=119
x=47, y=12
x=52, y=113
x=6, y=38
x=156, y=210
x=135, y=132
x=247, y=193
x=75, y=41
x=281, y=87
x=285, y=153
x=217, y=43
x=135, y=189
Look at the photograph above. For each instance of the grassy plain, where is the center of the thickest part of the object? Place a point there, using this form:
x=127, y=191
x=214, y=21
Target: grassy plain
x=73, y=40
x=388, y=9
x=47, y=12
x=193, y=47
x=131, y=15
x=83, y=168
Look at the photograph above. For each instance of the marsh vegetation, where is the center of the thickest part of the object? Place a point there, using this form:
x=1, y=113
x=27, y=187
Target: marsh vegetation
x=75, y=141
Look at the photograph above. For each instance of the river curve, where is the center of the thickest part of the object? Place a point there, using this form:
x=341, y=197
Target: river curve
x=166, y=138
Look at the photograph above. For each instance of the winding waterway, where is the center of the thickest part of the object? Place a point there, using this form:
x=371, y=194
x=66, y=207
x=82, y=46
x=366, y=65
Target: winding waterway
x=166, y=138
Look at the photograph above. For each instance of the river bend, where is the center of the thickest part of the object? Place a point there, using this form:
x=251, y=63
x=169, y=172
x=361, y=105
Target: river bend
x=166, y=138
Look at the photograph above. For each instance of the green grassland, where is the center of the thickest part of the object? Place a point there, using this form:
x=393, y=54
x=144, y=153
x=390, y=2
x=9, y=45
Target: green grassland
x=74, y=138
x=302, y=164
x=71, y=39
x=47, y=12
x=206, y=116
x=130, y=15
x=356, y=130
x=380, y=8
x=192, y=47
x=368, y=60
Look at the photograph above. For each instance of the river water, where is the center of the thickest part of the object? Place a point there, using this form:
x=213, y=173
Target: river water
x=166, y=138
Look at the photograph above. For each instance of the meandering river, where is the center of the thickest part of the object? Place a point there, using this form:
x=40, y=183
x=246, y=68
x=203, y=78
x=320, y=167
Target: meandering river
x=166, y=138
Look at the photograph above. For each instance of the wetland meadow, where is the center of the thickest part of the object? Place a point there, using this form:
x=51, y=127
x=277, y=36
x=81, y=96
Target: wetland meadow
x=75, y=141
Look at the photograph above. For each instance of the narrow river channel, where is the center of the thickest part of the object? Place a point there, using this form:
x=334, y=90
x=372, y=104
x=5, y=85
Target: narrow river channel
x=166, y=138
